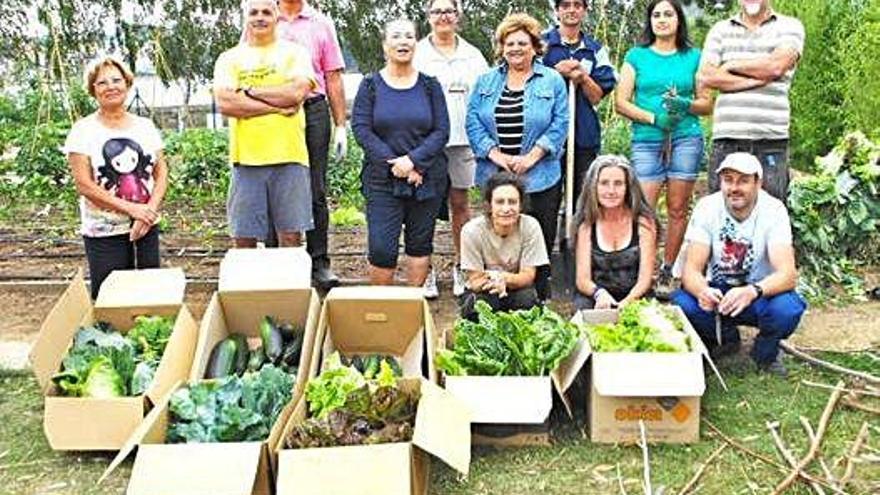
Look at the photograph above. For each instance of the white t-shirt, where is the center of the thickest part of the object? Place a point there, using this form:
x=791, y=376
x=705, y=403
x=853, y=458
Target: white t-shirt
x=482, y=249
x=739, y=249
x=122, y=162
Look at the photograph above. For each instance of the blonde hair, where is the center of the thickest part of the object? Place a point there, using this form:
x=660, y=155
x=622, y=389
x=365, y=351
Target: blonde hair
x=518, y=22
x=95, y=66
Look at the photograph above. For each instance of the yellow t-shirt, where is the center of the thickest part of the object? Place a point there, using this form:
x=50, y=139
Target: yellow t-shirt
x=271, y=139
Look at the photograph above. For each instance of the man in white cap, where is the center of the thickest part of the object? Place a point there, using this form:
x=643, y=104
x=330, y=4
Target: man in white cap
x=739, y=267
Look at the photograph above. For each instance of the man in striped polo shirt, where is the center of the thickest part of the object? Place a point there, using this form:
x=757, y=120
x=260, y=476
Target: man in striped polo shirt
x=750, y=59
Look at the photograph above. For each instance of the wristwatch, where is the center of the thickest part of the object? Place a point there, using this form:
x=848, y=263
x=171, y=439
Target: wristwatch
x=758, y=290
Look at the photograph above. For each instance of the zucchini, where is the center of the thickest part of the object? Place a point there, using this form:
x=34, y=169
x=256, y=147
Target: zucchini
x=272, y=341
x=289, y=332
x=222, y=360
x=256, y=359
x=293, y=351
x=241, y=353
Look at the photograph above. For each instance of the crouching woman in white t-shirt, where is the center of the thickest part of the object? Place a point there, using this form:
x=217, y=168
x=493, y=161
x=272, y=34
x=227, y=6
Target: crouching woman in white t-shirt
x=501, y=250
x=120, y=173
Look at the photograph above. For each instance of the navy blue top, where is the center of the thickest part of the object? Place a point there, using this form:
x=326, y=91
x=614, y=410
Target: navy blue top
x=389, y=122
x=594, y=56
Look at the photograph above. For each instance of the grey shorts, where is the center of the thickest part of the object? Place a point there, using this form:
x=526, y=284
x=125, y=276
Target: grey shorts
x=462, y=166
x=276, y=194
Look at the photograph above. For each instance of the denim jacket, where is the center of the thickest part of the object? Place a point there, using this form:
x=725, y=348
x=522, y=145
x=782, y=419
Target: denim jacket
x=545, y=108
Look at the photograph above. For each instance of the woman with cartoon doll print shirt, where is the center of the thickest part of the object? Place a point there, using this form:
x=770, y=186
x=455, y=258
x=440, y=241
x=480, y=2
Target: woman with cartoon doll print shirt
x=120, y=173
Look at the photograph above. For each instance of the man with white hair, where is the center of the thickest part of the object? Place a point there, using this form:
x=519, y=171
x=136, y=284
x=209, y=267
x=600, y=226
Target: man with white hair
x=260, y=84
x=739, y=266
x=750, y=59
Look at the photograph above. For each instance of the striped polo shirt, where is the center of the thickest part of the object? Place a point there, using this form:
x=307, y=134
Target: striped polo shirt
x=760, y=113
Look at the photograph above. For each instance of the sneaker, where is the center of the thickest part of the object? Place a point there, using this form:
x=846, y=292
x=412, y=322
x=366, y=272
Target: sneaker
x=430, y=285
x=665, y=284
x=459, y=284
x=774, y=367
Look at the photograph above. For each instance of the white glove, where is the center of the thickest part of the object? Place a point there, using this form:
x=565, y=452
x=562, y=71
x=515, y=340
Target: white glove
x=340, y=142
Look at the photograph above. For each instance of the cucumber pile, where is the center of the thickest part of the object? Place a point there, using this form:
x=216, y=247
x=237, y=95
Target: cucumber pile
x=280, y=345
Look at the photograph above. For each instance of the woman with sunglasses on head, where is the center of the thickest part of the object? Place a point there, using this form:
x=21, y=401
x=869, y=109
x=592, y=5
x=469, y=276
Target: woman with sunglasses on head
x=456, y=64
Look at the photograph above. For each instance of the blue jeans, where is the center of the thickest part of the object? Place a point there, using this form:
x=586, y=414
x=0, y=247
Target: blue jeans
x=683, y=164
x=776, y=317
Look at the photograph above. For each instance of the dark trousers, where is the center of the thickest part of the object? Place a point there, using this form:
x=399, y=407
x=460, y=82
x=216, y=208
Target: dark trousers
x=524, y=298
x=544, y=206
x=116, y=252
x=776, y=317
x=772, y=153
x=583, y=158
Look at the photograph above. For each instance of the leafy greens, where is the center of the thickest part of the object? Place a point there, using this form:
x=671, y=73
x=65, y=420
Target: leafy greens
x=642, y=326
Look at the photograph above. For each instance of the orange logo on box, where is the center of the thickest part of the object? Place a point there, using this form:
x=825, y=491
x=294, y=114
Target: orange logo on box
x=635, y=413
x=681, y=412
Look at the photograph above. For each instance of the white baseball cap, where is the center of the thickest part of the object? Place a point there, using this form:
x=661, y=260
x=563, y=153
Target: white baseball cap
x=742, y=162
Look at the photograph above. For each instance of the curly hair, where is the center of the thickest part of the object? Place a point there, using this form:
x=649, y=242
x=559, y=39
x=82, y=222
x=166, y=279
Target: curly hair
x=518, y=22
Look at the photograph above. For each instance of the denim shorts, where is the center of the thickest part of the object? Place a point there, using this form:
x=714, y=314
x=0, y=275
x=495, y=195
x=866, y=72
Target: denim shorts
x=281, y=194
x=687, y=154
x=387, y=215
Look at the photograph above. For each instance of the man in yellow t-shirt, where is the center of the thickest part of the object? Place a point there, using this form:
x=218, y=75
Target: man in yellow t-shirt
x=260, y=85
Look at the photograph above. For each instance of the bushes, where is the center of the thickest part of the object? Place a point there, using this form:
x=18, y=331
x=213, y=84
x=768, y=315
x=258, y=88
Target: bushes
x=198, y=161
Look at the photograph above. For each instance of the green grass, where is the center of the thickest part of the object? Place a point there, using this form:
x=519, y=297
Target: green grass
x=571, y=466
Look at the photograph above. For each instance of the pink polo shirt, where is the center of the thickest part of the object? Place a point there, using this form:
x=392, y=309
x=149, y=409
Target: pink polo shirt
x=314, y=31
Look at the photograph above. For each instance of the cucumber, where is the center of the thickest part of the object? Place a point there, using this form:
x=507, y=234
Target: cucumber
x=272, y=341
x=256, y=359
x=293, y=351
x=289, y=332
x=241, y=353
x=222, y=360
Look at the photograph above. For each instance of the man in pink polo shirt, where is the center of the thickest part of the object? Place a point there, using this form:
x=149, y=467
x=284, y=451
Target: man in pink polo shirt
x=303, y=24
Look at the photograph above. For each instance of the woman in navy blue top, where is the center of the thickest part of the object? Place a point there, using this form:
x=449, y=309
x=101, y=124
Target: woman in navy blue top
x=399, y=118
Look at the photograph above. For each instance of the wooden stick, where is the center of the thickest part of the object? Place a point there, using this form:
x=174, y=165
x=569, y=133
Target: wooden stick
x=825, y=364
x=857, y=391
x=848, y=471
x=850, y=402
x=767, y=460
x=690, y=484
x=645, y=459
x=773, y=426
x=814, y=445
x=808, y=428
x=620, y=481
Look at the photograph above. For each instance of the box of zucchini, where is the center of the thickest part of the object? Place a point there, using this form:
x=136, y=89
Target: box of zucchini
x=357, y=434
x=506, y=365
x=102, y=365
x=647, y=366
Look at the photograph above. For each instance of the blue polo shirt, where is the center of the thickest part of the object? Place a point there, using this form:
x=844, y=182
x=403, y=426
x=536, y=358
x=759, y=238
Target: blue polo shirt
x=590, y=53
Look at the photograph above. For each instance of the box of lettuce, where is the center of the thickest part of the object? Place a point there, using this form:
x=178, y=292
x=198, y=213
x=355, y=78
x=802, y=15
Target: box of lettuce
x=646, y=367
x=506, y=365
x=103, y=365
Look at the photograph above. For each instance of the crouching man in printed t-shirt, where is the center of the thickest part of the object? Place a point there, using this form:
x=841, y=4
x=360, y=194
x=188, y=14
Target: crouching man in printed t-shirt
x=260, y=85
x=739, y=267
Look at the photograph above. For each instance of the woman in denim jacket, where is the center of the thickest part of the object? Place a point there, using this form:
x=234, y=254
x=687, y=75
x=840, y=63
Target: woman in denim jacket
x=517, y=120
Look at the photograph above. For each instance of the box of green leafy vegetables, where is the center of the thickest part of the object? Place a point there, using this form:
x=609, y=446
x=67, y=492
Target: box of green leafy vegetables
x=102, y=365
x=253, y=358
x=358, y=435
x=646, y=368
x=506, y=365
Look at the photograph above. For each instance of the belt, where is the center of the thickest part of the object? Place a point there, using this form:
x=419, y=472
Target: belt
x=313, y=100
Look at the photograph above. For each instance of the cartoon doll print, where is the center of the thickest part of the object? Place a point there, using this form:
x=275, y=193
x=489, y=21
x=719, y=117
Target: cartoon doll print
x=126, y=170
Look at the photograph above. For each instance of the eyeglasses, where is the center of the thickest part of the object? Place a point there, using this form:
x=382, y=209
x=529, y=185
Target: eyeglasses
x=103, y=83
x=571, y=5
x=446, y=12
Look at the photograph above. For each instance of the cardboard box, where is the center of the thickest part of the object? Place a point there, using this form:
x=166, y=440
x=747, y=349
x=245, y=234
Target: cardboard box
x=662, y=389
x=393, y=321
x=234, y=468
x=76, y=423
x=517, y=399
x=442, y=429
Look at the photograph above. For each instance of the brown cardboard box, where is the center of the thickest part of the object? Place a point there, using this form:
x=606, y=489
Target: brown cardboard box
x=394, y=321
x=661, y=389
x=442, y=429
x=234, y=468
x=76, y=423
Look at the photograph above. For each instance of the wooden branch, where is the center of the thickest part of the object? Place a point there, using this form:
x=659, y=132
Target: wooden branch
x=645, y=459
x=853, y=403
x=773, y=426
x=737, y=445
x=825, y=364
x=817, y=441
x=690, y=484
x=848, y=471
x=856, y=391
x=808, y=428
x=620, y=481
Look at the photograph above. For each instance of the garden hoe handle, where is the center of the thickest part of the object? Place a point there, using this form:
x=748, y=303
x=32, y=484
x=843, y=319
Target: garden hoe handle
x=569, y=164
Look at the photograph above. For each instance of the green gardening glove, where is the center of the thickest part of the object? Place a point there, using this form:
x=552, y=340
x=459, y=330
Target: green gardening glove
x=677, y=104
x=666, y=121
